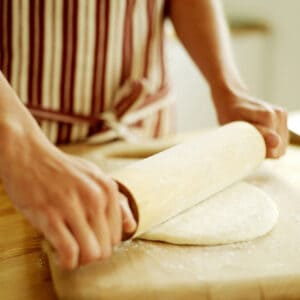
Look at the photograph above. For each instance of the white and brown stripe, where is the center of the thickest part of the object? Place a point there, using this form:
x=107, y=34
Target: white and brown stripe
x=70, y=61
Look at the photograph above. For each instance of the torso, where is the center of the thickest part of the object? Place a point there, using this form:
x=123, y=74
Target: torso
x=71, y=61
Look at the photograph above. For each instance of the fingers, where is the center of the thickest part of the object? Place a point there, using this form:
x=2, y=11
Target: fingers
x=110, y=196
x=100, y=226
x=259, y=114
x=113, y=210
x=61, y=239
x=271, y=122
x=272, y=140
x=129, y=223
x=104, y=215
x=282, y=128
x=85, y=237
x=72, y=203
x=96, y=208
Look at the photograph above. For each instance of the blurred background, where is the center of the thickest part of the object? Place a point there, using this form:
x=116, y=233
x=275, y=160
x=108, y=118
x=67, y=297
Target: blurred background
x=266, y=43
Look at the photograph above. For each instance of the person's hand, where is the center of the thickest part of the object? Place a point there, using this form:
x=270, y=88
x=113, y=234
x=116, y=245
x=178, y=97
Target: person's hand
x=271, y=121
x=71, y=201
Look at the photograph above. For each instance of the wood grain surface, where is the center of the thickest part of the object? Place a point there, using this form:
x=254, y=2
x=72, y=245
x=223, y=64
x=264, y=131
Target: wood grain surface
x=267, y=268
x=24, y=272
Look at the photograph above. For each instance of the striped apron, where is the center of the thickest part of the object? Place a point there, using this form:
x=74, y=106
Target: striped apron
x=88, y=68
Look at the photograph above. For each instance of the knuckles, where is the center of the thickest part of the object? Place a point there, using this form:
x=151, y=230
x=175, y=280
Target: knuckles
x=280, y=110
x=268, y=117
x=273, y=114
x=96, y=200
x=49, y=219
x=265, y=113
x=69, y=253
x=97, y=206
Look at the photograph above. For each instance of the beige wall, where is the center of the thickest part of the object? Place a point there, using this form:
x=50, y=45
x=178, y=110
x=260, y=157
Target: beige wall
x=269, y=60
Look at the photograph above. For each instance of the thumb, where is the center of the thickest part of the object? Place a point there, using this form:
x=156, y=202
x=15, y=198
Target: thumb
x=129, y=223
x=272, y=140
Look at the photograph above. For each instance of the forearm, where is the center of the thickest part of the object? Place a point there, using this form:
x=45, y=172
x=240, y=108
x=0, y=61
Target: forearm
x=17, y=126
x=77, y=207
x=201, y=27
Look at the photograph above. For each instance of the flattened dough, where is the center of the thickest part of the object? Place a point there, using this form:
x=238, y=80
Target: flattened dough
x=241, y=212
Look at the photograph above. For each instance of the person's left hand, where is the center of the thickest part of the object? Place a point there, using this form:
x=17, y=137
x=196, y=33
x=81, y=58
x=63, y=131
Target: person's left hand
x=271, y=121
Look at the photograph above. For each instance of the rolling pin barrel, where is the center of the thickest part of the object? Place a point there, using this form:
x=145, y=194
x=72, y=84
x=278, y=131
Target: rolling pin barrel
x=163, y=185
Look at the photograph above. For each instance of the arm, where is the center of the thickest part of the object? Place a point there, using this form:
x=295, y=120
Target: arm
x=68, y=199
x=202, y=29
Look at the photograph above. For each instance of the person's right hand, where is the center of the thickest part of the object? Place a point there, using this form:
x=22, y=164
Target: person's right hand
x=71, y=201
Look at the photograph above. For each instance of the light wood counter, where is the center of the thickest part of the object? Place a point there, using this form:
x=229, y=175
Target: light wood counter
x=24, y=271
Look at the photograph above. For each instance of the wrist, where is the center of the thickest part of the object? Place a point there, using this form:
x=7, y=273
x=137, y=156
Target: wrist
x=225, y=92
x=17, y=142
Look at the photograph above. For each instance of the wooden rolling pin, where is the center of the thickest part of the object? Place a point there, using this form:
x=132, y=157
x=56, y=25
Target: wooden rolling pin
x=163, y=185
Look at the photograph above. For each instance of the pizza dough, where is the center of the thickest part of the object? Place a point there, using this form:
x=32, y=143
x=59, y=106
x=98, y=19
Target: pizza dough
x=239, y=213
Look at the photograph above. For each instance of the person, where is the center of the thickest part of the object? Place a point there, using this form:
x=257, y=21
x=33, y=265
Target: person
x=96, y=68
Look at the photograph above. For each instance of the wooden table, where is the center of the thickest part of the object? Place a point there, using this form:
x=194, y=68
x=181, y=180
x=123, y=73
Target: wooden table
x=24, y=271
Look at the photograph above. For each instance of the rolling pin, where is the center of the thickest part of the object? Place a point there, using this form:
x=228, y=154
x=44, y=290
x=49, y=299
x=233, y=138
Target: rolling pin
x=164, y=185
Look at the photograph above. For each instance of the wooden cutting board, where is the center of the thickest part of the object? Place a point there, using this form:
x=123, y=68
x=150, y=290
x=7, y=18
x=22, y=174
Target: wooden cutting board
x=24, y=272
x=266, y=268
